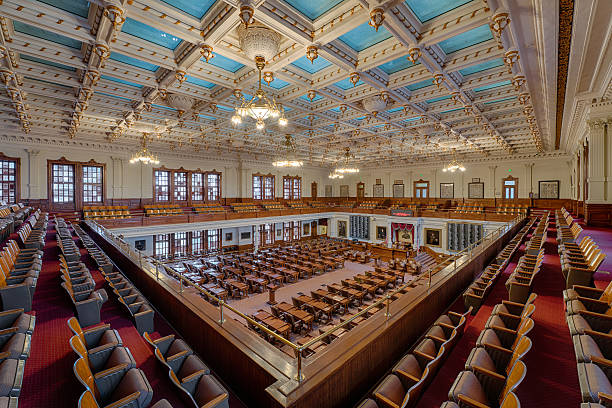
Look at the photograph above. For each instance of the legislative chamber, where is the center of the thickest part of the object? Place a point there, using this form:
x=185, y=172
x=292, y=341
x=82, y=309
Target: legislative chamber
x=305, y=203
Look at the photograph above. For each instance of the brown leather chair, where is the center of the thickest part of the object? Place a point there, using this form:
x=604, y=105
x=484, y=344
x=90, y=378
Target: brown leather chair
x=201, y=390
x=497, y=360
x=396, y=392
x=96, y=339
x=591, y=344
x=103, y=362
x=11, y=375
x=17, y=318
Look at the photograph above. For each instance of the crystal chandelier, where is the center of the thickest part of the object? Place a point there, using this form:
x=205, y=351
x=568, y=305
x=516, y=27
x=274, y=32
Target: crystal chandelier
x=344, y=167
x=453, y=166
x=335, y=176
x=290, y=160
x=144, y=155
x=261, y=44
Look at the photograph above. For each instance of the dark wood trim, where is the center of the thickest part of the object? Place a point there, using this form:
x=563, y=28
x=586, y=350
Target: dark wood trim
x=566, y=19
x=17, y=161
x=291, y=192
x=263, y=188
x=516, y=187
x=360, y=190
x=313, y=190
x=414, y=188
x=189, y=173
x=78, y=184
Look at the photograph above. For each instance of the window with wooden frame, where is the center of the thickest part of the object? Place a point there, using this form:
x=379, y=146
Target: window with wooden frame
x=213, y=239
x=297, y=230
x=213, y=186
x=196, y=242
x=180, y=244
x=62, y=183
x=257, y=187
x=9, y=179
x=510, y=188
x=266, y=234
x=161, y=245
x=197, y=186
x=263, y=186
x=287, y=230
x=421, y=189
x=161, y=190
x=93, y=184
x=180, y=186
x=292, y=187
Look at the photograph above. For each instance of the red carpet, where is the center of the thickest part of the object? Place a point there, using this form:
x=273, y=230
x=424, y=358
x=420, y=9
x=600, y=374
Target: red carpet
x=551, y=380
x=49, y=381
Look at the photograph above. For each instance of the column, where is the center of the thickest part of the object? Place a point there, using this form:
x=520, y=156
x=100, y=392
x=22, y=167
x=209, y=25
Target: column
x=256, y=237
x=597, y=161
x=528, y=179
x=608, y=144
x=33, y=174
x=493, y=187
x=117, y=177
x=408, y=187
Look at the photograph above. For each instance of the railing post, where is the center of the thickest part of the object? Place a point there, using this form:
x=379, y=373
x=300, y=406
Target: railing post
x=429, y=283
x=299, y=365
x=387, y=313
x=181, y=284
x=221, y=318
x=157, y=269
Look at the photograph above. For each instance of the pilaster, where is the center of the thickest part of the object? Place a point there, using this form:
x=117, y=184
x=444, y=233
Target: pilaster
x=34, y=168
x=493, y=187
x=597, y=161
x=528, y=179
x=118, y=178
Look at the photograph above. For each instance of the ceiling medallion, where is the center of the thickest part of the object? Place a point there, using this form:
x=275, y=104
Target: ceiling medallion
x=144, y=155
x=207, y=52
x=375, y=104
x=312, y=53
x=414, y=54
x=312, y=94
x=290, y=160
x=438, y=78
x=180, y=76
x=377, y=16
x=354, y=78
x=259, y=41
x=246, y=14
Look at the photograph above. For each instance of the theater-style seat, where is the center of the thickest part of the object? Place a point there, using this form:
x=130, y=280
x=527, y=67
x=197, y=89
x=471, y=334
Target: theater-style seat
x=129, y=388
x=503, y=337
x=11, y=375
x=514, y=308
x=496, y=359
x=98, y=362
x=17, y=295
x=87, y=305
x=142, y=314
x=96, y=339
x=201, y=390
x=507, y=320
x=16, y=344
x=592, y=344
x=168, y=348
x=584, y=320
x=595, y=378
x=17, y=318
x=394, y=392
x=602, y=295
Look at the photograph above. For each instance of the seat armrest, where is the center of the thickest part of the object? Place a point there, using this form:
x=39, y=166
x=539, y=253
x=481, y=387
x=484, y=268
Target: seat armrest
x=469, y=402
x=125, y=401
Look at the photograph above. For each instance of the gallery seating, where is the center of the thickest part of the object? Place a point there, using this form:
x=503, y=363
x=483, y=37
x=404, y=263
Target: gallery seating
x=469, y=209
x=245, y=207
x=154, y=210
x=273, y=205
x=106, y=212
x=369, y=205
x=208, y=208
x=512, y=209
x=298, y=205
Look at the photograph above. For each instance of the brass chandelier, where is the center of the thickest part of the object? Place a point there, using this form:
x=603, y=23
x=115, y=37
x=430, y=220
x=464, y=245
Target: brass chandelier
x=453, y=166
x=344, y=166
x=260, y=107
x=144, y=155
x=290, y=160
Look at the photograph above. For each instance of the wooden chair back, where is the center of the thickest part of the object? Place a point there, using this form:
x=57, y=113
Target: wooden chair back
x=515, y=378
x=83, y=373
x=520, y=351
x=88, y=400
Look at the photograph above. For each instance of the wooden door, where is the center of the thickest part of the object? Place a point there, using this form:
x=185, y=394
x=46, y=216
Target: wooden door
x=360, y=190
x=313, y=189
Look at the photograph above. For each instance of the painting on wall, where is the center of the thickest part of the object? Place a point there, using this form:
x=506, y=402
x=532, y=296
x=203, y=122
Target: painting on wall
x=378, y=190
x=328, y=190
x=228, y=236
x=279, y=233
x=342, y=229
x=548, y=189
x=344, y=190
x=140, y=244
x=476, y=190
x=433, y=237
x=306, y=228
x=398, y=190
x=245, y=235
x=447, y=190
x=381, y=233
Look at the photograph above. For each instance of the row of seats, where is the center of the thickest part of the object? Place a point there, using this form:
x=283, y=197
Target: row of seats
x=196, y=385
x=208, y=208
x=469, y=209
x=521, y=280
x=245, y=207
x=154, y=210
x=538, y=237
x=512, y=209
x=587, y=312
x=416, y=370
x=77, y=280
x=494, y=367
x=476, y=293
x=273, y=205
x=317, y=204
x=105, y=212
x=368, y=204
x=299, y=205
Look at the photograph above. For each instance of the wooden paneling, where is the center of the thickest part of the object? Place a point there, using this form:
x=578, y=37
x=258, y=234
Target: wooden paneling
x=598, y=214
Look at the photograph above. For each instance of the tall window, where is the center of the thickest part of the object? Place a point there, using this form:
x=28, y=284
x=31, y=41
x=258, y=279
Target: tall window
x=213, y=239
x=287, y=230
x=9, y=183
x=62, y=183
x=162, y=185
x=263, y=187
x=297, y=229
x=510, y=188
x=197, y=186
x=292, y=187
x=213, y=186
x=180, y=244
x=161, y=245
x=180, y=186
x=421, y=189
x=196, y=242
x=266, y=233
x=93, y=186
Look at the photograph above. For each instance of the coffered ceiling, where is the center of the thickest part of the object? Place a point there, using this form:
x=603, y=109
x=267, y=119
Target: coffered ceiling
x=107, y=71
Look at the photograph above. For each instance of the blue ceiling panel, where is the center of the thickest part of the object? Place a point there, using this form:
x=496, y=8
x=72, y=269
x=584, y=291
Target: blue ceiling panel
x=483, y=66
x=491, y=86
x=133, y=61
x=307, y=99
x=225, y=63
x=148, y=33
x=438, y=99
x=466, y=39
x=346, y=84
x=50, y=63
x=313, y=9
x=45, y=35
x=120, y=81
x=502, y=100
x=278, y=83
x=396, y=65
x=200, y=82
x=364, y=36
x=196, y=9
x=78, y=7
x=425, y=10
x=419, y=85
x=314, y=67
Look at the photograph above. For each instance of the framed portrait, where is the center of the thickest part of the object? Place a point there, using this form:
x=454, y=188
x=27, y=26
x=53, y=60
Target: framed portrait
x=140, y=244
x=447, y=190
x=344, y=190
x=229, y=236
x=328, y=190
x=381, y=232
x=306, y=229
x=476, y=190
x=342, y=229
x=279, y=233
x=433, y=237
x=378, y=190
x=548, y=189
x=245, y=235
x=398, y=190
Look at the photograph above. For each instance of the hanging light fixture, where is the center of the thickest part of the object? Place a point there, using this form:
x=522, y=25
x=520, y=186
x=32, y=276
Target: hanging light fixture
x=453, y=166
x=344, y=167
x=144, y=155
x=290, y=160
x=260, y=43
x=335, y=176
